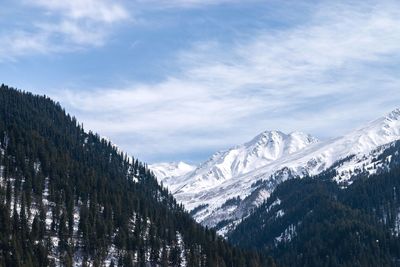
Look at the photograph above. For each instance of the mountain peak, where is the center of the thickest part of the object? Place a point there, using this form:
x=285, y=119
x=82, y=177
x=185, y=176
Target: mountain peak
x=275, y=135
x=272, y=157
x=266, y=136
x=378, y=132
x=263, y=149
x=274, y=144
x=394, y=115
x=171, y=169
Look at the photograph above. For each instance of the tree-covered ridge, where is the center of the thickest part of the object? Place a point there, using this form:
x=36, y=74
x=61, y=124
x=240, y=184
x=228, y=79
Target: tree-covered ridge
x=314, y=222
x=68, y=197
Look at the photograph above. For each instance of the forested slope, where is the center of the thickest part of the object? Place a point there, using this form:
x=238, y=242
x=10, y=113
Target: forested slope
x=315, y=222
x=70, y=198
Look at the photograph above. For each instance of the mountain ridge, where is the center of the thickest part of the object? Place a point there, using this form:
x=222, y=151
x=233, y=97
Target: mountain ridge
x=168, y=170
x=356, y=151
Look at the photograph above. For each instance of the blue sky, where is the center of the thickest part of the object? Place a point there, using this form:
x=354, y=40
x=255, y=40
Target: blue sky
x=180, y=79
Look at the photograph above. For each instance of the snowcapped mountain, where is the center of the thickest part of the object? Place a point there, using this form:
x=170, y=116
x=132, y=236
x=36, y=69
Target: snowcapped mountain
x=169, y=170
x=354, y=149
x=264, y=149
x=226, y=187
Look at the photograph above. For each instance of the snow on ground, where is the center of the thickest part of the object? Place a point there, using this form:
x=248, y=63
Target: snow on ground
x=286, y=235
x=396, y=228
x=233, y=173
x=170, y=170
x=181, y=245
x=279, y=214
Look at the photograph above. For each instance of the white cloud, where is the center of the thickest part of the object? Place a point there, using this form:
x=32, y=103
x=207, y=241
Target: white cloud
x=339, y=53
x=95, y=10
x=187, y=3
x=73, y=34
x=19, y=43
x=61, y=26
x=335, y=39
x=324, y=76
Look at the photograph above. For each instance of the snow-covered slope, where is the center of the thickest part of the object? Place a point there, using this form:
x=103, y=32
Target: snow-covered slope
x=264, y=149
x=227, y=186
x=164, y=171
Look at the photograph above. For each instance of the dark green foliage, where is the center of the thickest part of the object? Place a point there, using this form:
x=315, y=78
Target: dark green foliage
x=198, y=208
x=54, y=171
x=328, y=226
x=232, y=202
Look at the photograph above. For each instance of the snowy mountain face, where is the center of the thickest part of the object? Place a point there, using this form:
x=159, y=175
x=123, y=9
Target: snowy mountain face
x=165, y=171
x=225, y=165
x=262, y=150
x=231, y=183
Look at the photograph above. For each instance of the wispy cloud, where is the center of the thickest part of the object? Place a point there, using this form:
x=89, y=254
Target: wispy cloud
x=104, y=10
x=18, y=43
x=186, y=3
x=61, y=26
x=308, y=77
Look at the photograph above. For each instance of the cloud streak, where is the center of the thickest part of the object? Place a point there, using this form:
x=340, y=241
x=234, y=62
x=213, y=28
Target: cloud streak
x=307, y=77
x=103, y=11
x=187, y=3
x=337, y=67
x=61, y=26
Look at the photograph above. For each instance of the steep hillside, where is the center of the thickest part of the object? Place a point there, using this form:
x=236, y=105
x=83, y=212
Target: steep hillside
x=314, y=222
x=210, y=188
x=265, y=148
x=70, y=198
x=224, y=189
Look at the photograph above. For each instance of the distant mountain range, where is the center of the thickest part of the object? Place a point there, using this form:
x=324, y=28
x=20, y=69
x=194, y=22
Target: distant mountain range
x=224, y=189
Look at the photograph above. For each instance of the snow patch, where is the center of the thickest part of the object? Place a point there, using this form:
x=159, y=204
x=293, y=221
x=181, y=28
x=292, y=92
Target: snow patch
x=287, y=235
